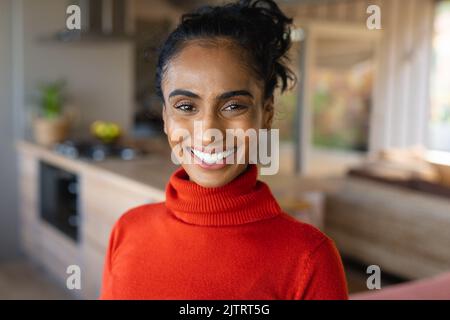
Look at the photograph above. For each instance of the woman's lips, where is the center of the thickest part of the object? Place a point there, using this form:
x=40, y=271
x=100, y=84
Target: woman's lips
x=212, y=160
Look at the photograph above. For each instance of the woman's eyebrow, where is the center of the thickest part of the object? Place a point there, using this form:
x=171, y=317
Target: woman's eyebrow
x=182, y=92
x=234, y=93
x=223, y=96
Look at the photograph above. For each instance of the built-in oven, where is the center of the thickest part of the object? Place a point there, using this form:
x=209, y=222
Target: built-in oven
x=59, y=199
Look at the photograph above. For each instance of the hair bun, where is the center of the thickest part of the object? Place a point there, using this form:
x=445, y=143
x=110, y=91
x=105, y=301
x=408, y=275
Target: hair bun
x=272, y=34
x=259, y=27
x=269, y=19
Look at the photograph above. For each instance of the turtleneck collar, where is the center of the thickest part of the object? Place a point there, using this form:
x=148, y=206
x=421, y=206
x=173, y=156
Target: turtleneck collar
x=245, y=199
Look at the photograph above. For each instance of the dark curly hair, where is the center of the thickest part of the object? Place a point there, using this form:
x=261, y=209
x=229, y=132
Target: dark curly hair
x=258, y=27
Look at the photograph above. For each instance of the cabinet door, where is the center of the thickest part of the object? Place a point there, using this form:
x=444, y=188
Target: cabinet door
x=103, y=200
x=93, y=261
x=28, y=182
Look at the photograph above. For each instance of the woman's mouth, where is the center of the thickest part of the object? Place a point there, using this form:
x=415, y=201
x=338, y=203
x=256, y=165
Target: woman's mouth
x=212, y=160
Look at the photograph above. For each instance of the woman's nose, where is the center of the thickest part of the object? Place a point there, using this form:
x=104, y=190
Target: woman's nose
x=210, y=131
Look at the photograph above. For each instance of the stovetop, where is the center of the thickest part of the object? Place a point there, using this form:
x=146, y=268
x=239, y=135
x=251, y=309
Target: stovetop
x=97, y=151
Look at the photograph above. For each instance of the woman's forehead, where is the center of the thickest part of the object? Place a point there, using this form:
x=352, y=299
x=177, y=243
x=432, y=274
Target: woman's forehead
x=209, y=69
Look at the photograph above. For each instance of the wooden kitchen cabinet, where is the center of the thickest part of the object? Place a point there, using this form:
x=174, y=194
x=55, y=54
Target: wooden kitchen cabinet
x=103, y=197
x=41, y=242
x=104, y=200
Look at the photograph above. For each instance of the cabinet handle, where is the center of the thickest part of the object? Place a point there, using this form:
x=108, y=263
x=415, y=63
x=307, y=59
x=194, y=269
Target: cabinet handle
x=72, y=188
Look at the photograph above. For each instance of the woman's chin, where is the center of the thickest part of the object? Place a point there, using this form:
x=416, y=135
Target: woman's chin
x=214, y=175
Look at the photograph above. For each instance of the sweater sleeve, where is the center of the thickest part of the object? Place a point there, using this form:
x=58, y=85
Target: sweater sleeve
x=324, y=277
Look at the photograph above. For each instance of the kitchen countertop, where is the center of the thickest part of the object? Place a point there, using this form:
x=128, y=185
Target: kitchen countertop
x=153, y=171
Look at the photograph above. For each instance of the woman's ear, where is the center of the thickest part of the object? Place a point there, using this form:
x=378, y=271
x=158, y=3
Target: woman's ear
x=268, y=113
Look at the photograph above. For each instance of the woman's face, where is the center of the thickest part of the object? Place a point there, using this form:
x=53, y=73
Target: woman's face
x=209, y=85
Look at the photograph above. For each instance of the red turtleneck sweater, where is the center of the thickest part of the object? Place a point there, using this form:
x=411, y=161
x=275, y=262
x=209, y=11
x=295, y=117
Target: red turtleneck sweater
x=230, y=242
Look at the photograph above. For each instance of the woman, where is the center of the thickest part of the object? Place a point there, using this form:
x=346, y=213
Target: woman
x=220, y=234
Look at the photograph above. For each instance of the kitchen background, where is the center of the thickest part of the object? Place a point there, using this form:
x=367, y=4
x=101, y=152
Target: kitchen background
x=365, y=152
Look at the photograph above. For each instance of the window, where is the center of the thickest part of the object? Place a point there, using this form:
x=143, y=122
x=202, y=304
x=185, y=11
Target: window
x=342, y=90
x=439, y=128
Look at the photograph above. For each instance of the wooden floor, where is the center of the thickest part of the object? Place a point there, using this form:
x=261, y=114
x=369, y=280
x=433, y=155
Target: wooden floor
x=23, y=280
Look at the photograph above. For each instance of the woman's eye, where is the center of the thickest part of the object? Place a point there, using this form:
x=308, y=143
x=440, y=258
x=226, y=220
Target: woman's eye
x=185, y=107
x=234, y=107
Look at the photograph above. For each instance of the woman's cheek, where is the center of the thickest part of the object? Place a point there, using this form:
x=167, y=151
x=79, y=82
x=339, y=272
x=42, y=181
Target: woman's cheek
x=178, y=135
x=249, y=140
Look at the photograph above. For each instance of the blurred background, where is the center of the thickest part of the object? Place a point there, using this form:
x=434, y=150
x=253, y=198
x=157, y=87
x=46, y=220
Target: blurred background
x=365, y=137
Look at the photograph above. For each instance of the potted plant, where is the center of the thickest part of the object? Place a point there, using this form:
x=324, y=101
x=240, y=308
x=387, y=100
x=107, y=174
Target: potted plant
x=51, y=124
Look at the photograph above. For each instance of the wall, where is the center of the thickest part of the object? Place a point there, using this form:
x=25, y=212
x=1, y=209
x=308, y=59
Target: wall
x=99, y=75
x=8, y=174
x=156, y=10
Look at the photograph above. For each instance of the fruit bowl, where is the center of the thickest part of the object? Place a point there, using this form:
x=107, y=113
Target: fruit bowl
x=106, y=132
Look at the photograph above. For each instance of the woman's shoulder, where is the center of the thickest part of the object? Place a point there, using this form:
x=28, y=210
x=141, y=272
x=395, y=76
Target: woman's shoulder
x=319, y=253
x=322, y=273
x=141, y=214
x=300, y=233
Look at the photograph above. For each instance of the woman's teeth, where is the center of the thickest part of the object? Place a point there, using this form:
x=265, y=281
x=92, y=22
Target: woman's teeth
x=211, y=158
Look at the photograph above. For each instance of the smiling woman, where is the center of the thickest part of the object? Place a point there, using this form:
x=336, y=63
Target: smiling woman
x=221, y=234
